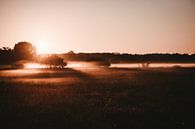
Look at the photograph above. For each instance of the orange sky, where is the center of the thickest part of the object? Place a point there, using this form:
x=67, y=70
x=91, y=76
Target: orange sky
x=127, y=26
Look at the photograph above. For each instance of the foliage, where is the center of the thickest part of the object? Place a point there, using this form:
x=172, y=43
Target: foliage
x=6, y=55
x=52, y=61
x=131, y=58
x=24, y=51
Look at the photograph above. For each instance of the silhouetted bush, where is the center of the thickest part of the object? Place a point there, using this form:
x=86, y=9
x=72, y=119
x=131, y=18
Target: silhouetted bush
x=6, y=56
x=99, y=62
x=52, y=61
x=24, y=51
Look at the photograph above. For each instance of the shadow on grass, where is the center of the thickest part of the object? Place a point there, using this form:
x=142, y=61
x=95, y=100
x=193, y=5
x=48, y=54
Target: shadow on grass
x=114, y=99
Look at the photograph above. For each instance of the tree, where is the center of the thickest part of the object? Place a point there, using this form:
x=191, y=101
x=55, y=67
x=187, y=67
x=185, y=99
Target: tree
x=71, y=52
x=6, y=48
x=53, y=61
x=99, y=62
x=6, y=56
x=24, y=51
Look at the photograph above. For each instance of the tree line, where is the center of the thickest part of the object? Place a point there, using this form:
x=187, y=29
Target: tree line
x=26, y=52
x=131, y=58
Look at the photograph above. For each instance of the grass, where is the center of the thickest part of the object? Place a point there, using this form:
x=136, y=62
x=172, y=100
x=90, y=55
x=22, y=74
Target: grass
x=98, y=99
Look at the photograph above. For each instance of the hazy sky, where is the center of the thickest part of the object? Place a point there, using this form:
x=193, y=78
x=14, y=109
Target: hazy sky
x=127, y=26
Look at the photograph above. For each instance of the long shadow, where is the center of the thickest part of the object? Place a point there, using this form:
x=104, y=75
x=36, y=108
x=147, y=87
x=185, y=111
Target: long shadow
x=41, y=73
x=82, y=75
x=49, y=74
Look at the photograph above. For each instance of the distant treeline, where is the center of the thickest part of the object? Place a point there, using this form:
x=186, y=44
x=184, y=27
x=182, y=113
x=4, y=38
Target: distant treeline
x=130, y=58
x=26, y=51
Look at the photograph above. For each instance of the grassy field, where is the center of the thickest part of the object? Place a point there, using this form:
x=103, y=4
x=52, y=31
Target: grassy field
x=112, y=98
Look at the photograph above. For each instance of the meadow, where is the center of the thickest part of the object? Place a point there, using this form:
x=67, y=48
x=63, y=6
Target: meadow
x=97, y=98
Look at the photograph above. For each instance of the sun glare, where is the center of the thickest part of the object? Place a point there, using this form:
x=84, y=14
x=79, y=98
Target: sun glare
x=42, y=47
x=34, y=66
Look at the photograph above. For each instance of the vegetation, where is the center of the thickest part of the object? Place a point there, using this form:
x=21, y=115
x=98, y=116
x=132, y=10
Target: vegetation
x=25, y=52
x=131, y=58
x=52, y=61
x=98, y=99
x=6, y=56
x=99, y=62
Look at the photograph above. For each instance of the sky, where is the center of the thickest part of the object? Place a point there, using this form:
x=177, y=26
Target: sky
x=125, y=26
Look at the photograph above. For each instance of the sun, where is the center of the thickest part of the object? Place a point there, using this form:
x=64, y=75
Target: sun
x=42, y=47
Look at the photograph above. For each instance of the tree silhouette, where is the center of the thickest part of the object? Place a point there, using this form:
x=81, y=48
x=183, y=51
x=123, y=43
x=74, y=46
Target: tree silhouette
x=52, y=61
x=71, y=52
x=99, y=62
x=24, y=51
x=5, y=49
x=6, y=56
